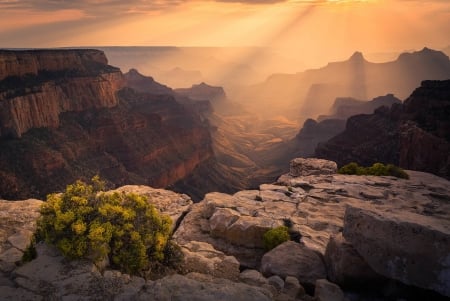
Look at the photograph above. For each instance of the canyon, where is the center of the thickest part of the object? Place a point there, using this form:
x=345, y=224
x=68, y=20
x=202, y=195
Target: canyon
x=67, y=114
x=73, y=117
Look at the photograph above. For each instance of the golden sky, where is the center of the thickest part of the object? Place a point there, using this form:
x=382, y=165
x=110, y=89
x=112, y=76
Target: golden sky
x=309, y=28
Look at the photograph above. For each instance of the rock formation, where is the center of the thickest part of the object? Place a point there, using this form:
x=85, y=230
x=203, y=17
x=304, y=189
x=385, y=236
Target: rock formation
x=393, y=229
x=65, y=115
x=37, y=86
x=414, y=135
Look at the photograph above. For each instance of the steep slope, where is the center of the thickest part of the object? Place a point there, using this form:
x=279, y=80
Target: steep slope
x=415, y=135
x=72, y=120
x=310, y=93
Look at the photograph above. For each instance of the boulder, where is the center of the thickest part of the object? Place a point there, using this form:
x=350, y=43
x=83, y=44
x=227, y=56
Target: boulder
x=253, y=277
x=327, y=291
x=276, y=282
x=345, y=266
x=202, y=258
x=293, y=259
x=411, y=248
x=300, y=167
x=292, y=287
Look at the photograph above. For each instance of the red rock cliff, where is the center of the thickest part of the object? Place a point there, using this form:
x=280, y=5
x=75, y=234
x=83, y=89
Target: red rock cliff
x=73, y=120
x=37, y=86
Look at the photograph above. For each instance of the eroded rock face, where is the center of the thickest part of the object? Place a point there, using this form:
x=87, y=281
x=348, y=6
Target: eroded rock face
x=412, y=248
x=37, y=86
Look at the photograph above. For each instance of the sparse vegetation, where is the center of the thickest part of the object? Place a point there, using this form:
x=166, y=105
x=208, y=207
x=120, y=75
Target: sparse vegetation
x=85, y=222
x=275, y=237
x=377, y=169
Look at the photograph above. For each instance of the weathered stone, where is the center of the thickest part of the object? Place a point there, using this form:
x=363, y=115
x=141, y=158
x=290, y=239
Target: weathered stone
x=293, y=259
x=305, y=167
x=327, y=291
x=21, y=239
x=276, y=282
x=411, y=248
x=292, y=287
x=202, y=258
x=11, y=255
x=253, y=277
x=178, y=288
x=345, y=266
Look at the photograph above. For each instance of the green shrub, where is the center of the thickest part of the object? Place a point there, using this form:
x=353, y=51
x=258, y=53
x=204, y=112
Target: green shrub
x=275, y=237
x=377, y=169
x=85, y=222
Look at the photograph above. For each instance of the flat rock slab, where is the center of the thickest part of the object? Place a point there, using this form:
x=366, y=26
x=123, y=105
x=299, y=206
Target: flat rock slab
x=412, y=248
x=201, y=288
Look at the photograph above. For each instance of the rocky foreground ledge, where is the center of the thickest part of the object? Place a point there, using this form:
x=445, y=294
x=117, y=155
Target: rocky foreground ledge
x=354, y=238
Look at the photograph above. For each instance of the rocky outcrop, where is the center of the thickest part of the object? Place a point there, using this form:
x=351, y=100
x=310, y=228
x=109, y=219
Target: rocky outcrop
x=37, y=86
x=395, y=219
x=145, y=84
x=315, y=206
x=412, y=248
x=415, y=135
x=306, y=167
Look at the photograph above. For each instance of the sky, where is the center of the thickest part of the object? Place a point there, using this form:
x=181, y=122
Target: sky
x=312, y=29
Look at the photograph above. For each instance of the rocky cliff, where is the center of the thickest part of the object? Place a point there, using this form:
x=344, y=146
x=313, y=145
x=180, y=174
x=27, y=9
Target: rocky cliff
x=352, y=238
x=37, y=86
x=73, y=118
x=415, y=135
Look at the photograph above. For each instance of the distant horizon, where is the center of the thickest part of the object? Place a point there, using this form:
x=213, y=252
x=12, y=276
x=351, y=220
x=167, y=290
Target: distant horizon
x=311, y=31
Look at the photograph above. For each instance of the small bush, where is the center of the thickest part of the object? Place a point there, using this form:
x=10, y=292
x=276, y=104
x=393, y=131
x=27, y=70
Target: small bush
x=275, y=237
x=85, y=222
x=377, y=169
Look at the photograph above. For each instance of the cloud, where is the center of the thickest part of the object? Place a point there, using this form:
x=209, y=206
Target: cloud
x=94, y=7
x=107, y=6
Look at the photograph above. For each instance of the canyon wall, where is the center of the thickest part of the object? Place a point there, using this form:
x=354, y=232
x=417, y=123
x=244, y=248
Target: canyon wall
x=37, y=86
x=414, y=135
x=66, y=115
